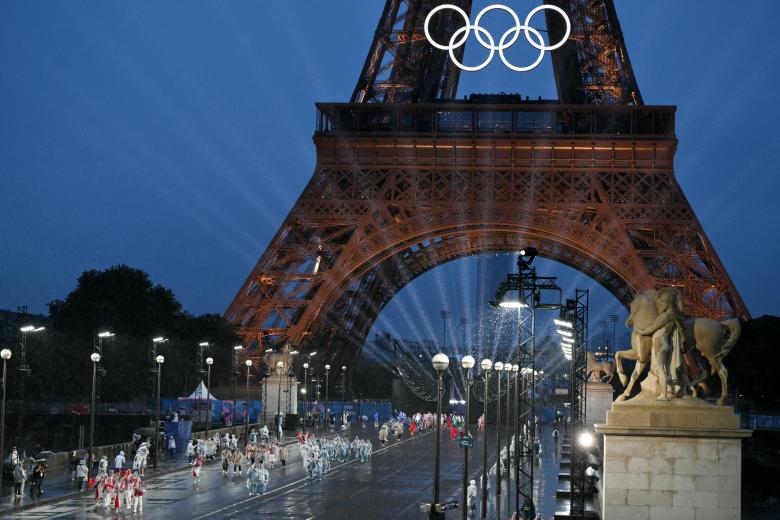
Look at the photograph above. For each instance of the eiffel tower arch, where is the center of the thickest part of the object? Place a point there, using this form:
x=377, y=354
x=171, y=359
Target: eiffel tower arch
x=407, y=179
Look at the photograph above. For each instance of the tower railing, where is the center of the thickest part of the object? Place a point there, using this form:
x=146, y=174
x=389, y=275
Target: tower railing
x=519, y=120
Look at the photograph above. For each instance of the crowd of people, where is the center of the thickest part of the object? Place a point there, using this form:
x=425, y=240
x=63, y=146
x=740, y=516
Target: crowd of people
x=35, y=472
x=260, y=453
x=119, y=490
x=124, y=488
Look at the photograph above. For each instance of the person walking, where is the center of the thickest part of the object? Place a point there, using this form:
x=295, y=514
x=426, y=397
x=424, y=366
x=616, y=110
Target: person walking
x=262, y=479
x=225, y=459
x=19, y=477
x=471, y=498
x=119, y=462
x=191, y=447
x=197, y=464
x=74, y=463
x=238, y=458
x=81, y=474
x=171, y=451
x=139, y=490
x=283, y=455
x=36, y=482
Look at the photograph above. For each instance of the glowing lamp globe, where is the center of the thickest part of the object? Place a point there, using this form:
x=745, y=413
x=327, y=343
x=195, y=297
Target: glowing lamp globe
x=440, y=362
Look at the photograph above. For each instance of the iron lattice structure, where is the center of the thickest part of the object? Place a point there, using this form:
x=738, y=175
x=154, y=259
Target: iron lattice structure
x=594, y=67
x=400, y=188
x=576, y=313
x=401, y=66
x=534, y=293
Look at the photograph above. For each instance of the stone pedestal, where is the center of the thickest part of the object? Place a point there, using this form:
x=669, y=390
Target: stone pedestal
x=276, y=389
x=599, y=398
x=671, y=460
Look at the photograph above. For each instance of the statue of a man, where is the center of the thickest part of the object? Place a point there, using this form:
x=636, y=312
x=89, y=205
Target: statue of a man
x=667, y=363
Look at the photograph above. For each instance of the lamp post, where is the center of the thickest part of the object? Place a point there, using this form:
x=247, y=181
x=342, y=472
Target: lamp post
x=202, y=346
x=305, y=397
x=343, y=391
x=236, y=349
x=24, y=371
x=209, y=362
x=156, y=341
x=508, y=370
x=444, y=317
x=6, y=355
x=248, y=364
x=440, y=363
x=327, y=410
x=279, y=368
x=95, y=358
x=160, y=360
x=499, y=366
x=467, y=363
x=516, y=371
x=486, y=366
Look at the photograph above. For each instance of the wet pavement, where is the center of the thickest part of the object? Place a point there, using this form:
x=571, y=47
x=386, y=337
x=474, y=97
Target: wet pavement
x=393, y=484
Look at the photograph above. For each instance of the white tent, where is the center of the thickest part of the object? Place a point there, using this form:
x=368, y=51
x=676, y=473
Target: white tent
x=201, y=393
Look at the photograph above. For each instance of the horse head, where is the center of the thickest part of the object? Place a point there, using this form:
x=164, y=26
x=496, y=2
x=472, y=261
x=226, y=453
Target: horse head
x=643, y=310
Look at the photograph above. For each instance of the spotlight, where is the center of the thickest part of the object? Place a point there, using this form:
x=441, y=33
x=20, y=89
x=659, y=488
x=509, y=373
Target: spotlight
x=586, y=440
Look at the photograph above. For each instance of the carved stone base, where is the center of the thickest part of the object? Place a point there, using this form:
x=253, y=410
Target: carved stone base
x=276, y=389
x=675, y=460
x=599, y=398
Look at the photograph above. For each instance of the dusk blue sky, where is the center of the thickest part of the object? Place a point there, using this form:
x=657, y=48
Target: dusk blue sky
x=175, y=136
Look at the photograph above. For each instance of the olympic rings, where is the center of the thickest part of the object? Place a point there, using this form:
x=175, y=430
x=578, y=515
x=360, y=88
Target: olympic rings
x=508, y=39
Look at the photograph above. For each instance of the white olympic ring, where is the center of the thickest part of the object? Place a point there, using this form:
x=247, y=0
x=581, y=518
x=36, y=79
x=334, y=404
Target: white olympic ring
x=460, y=36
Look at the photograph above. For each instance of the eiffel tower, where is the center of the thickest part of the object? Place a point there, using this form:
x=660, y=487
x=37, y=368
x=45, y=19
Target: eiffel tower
x=409, y=178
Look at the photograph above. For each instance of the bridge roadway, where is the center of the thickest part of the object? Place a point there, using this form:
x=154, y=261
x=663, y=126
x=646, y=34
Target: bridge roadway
x=392, y=485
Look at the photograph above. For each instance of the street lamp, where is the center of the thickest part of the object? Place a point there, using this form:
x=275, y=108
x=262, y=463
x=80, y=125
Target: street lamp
x=343, y=391
x=95, y=358
x=236, y=349
x=6, y=355
x=305, y=398
x=156, y=342
x=327, y=409
x=209, y=362
x=248, y=364
x=279, y=369
x=499, y=366
x=516, y=371
x=486, y=365
x=440, y=363
x=508, y=370
x=24, y=371
x=467, y=363
x=199, y=350
x=160, y=360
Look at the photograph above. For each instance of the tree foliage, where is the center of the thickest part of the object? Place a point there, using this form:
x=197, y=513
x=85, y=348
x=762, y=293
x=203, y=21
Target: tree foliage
x=124, y=300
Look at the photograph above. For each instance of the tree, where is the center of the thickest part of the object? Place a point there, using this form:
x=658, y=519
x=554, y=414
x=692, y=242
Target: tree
x=124, y=300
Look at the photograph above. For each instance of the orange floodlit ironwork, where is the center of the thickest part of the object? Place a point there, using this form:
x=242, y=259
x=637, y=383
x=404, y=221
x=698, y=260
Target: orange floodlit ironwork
x=400, y=188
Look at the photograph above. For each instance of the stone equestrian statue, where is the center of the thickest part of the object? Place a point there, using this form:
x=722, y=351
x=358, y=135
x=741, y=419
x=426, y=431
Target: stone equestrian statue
x=661, y=337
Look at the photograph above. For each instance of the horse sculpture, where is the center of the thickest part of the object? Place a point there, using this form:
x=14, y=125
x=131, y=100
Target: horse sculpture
x=653, y=320
x=598, y=371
